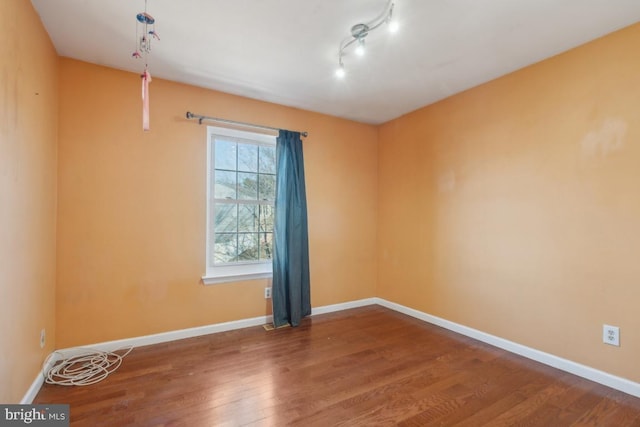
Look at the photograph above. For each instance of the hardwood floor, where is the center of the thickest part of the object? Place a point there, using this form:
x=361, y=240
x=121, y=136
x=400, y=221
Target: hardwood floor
x=366, y=366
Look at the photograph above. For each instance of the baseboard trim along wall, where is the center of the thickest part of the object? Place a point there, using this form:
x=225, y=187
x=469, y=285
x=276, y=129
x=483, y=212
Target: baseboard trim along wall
x=601, y=377
x=343, y=306
x=35, y=386
x=580, y=370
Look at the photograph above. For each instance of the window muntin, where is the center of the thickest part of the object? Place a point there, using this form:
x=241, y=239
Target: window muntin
x=241, y=192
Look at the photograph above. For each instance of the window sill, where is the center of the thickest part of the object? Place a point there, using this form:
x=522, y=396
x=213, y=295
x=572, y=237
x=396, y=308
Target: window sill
x=237, y=273
x=213, y=280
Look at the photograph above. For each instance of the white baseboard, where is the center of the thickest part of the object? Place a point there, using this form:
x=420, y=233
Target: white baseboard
x=578, y=369
x=601, y=377
x=37, y=383
x=203, y=330
x=343, y=306
x=168, y=336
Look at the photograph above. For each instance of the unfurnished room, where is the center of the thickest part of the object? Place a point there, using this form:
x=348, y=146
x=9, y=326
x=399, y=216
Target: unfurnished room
x=319, y=213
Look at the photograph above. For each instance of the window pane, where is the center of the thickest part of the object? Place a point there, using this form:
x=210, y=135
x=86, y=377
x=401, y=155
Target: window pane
x=248, y=249
x=247, y=158
x=242, y=192
x=225, y=154
x=267, y=159
x=247, y=218
x=247, y=186
x=266, y=218
x=226, y=219
x=225, y=185
x=225, y=248
x=266, y=246
x=267, y=187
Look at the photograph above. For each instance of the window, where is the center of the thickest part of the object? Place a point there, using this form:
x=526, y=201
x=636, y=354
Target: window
x=241, y=181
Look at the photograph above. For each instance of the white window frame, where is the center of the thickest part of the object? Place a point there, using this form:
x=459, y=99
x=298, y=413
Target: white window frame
x=238, y=271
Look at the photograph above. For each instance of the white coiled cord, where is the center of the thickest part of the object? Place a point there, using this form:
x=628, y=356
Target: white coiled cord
x=86, y=368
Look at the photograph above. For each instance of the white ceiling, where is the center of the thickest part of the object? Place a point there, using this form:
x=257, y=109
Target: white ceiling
x=285, y=51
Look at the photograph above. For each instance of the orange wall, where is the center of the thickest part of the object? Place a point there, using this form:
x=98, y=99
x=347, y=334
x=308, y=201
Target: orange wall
x=514, y=208
x=28, y=136
x=131, y=223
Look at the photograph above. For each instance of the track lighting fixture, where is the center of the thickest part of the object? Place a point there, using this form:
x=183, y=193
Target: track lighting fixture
x=359, y=32
x=360, y=47
x=340, y=71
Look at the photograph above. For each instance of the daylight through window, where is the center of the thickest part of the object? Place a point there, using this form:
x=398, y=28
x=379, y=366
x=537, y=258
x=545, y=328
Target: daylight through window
x=241, y=194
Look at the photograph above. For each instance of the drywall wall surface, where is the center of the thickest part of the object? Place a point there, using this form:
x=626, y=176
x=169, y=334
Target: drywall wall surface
x=28, y=138
x=131, y=236
x=514, y=207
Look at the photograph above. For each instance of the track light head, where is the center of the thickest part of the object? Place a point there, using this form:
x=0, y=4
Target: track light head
x=340, y=73
x=360, y=31
x=360, y=48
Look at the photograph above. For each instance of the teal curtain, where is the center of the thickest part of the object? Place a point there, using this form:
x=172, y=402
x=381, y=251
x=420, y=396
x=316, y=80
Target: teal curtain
x=291, y=286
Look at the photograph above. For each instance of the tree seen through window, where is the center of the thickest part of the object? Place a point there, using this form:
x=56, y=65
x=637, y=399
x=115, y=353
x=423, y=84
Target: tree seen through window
x=244, y=193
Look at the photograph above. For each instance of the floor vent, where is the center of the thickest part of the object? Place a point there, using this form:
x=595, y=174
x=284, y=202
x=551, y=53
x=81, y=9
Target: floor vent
x=270, y=327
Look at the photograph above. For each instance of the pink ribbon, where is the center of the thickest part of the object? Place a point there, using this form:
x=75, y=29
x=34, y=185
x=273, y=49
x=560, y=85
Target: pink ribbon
x=146, y=79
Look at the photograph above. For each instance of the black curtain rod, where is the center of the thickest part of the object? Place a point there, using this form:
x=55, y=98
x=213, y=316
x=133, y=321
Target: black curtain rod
x=200, y=118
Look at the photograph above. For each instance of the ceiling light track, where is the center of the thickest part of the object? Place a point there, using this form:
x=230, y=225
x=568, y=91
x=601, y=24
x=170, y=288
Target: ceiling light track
x=359, y=32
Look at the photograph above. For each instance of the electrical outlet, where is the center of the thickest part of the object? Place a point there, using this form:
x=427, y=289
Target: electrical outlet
x=43, y=338
x=611, y=335
x=267, y=293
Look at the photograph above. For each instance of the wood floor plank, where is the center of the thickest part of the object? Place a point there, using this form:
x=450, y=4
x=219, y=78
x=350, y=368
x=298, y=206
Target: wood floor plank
x=360, y=367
